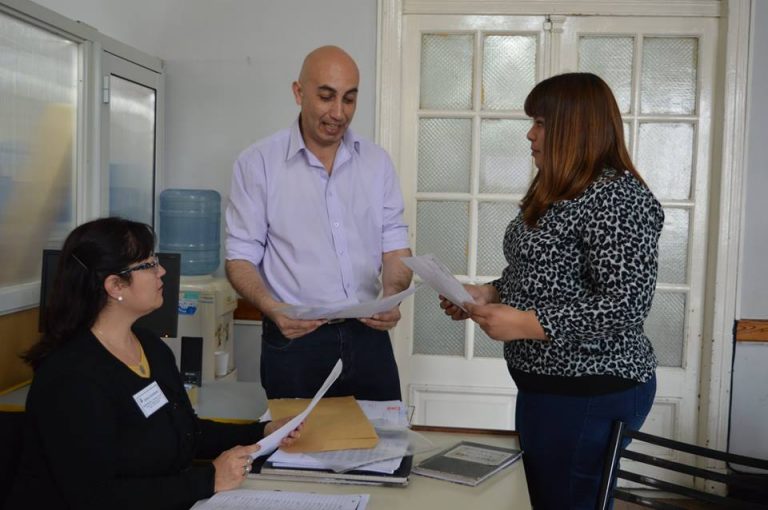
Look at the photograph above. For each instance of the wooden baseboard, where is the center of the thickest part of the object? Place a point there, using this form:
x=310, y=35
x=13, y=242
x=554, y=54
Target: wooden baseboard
x=751, y=330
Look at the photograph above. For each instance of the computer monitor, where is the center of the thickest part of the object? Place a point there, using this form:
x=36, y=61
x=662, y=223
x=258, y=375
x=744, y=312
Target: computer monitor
x=163, y=321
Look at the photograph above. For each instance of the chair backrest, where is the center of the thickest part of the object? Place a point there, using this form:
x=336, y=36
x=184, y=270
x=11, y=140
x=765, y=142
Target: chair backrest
x=612, y=472
x=11, y=440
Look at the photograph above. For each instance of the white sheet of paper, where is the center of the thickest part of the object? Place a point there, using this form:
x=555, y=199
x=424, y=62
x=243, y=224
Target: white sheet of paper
x=271, y=442
x=385, y=457
x=440, y=278
x=245, y=499
x=346, y=310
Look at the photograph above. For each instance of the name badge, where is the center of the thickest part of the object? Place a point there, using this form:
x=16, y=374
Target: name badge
x=150, y=399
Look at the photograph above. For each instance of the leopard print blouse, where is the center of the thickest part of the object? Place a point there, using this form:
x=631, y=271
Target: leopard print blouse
x=589, y=272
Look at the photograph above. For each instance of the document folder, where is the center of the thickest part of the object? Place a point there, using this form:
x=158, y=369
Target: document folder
x=336, y=423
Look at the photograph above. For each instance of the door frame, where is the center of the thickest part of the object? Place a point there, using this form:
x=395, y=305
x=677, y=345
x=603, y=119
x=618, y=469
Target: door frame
x=720, y=293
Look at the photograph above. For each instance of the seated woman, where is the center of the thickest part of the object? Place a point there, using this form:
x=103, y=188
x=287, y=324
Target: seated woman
x=108, y=422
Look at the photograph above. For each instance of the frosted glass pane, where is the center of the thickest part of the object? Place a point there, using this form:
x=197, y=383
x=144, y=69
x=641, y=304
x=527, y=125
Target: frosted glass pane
x=493, y=220
x=665, y=326
x=668, y=83
x=131, y=150
x=509, y=71
x=611, y=59
x=442, y=228
x=433, y=331
x=505, y=156
x=446, y=72
x=665, y=158
x=445, y=155
x=673, y=246
x=485, y=347
x=628, y=136
x=38, y=127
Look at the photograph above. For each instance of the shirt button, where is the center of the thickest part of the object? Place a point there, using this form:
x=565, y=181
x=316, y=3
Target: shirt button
x=336, y=224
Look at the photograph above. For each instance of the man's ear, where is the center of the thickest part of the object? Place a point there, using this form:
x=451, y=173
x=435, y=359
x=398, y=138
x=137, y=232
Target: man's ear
x=114, y=286
x=297, y=92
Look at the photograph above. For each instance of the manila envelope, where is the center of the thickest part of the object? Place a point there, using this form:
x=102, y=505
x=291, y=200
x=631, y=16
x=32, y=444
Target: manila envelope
x=336, y=423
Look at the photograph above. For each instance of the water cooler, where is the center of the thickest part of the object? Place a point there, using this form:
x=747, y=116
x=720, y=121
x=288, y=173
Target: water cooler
x=206, y=306
x=190, y=225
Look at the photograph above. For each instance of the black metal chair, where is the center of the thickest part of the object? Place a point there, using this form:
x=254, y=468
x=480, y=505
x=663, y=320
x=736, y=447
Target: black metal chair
x=612, y=472
x=11, y=438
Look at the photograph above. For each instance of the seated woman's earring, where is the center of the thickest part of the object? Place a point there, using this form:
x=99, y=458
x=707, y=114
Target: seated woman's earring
x=119, y=298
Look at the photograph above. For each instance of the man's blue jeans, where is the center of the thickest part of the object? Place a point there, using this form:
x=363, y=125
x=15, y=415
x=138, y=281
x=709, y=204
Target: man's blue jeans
x=297, y=368
x=565, y=439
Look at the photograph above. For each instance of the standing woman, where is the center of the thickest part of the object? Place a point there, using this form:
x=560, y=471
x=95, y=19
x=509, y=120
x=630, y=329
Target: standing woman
x=91, y=441
x=570, y=305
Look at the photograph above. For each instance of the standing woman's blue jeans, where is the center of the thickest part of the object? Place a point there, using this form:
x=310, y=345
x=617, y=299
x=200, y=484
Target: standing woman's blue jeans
x=564, y=440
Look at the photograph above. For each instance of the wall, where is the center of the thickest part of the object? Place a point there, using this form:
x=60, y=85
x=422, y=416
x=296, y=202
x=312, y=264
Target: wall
x=749, y=402
x=229, y=68
x=753, y=273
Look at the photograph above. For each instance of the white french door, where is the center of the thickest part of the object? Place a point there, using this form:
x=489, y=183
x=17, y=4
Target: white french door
x=465, y=163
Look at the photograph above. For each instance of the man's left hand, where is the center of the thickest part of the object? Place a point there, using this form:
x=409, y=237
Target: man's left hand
x=383, y=321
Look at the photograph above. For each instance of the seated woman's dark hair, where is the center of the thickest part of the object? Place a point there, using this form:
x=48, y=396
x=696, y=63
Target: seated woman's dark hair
x=91, y=253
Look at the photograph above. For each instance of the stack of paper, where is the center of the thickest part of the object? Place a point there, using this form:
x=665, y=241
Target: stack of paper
x=386, y=463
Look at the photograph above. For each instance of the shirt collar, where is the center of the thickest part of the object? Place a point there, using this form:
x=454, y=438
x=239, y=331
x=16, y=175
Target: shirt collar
x=296, y=142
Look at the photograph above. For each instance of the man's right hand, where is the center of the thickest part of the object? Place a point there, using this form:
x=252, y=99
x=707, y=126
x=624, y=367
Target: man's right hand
x=293, y=328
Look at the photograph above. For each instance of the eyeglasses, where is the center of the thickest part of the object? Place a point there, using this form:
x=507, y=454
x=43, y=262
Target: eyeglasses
x=153, y=265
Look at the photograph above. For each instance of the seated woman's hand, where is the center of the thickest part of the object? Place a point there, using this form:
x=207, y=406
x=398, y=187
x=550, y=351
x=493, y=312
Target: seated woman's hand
x=232, y=466
x=291, y=437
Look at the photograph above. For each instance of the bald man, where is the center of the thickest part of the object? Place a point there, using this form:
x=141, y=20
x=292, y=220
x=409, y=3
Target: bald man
x=316, y=217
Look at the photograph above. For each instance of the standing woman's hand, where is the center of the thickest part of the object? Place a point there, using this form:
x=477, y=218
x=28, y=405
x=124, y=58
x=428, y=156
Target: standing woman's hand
x=504, y=323
x=232, y=466
x=482, y=294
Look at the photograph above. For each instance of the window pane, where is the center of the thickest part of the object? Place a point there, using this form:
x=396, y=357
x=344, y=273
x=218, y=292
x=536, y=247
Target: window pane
x=665, y=326
x=509, y=71
x=433, y=331
x=38, y=118
x=673, y=246
x=445, y=155
x=665, y=158
x=669, y=75
x=446, y=72
x=611, y=59
x=485, y=346
x=442, y=229
x=493, y=219
x=131, y=150
x=505, y=156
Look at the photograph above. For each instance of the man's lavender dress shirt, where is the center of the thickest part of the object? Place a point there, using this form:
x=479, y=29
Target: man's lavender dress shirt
x=315, y=238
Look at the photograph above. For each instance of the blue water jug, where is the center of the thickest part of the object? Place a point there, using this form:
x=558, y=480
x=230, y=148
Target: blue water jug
x=190, y=225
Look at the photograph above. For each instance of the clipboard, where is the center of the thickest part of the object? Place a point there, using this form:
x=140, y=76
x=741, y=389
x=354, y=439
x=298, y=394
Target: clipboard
x=336, y=423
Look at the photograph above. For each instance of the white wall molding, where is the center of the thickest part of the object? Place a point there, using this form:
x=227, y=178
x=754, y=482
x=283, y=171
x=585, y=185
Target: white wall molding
x=707, y=8
x=717, y=357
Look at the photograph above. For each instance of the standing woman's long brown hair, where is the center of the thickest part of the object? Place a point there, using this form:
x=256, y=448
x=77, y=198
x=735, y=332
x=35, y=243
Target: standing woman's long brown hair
x=584, y=135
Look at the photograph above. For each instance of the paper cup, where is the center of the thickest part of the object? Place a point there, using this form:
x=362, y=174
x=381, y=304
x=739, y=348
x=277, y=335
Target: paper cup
x=222, y=363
